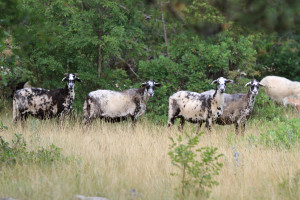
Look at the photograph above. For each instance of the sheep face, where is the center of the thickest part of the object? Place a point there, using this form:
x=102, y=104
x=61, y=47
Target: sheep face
x=254, y=85
x=221, y=84
x=150, y=86
x=71, y=78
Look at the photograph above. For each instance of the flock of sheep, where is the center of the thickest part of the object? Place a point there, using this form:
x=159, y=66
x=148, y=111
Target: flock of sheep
x=213, y=106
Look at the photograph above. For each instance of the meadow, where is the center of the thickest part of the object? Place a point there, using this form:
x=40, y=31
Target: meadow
x=118, y=162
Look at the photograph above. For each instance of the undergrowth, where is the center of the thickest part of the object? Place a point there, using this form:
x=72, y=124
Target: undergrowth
x=16, y=152
x=198, y=166
x=278, y=133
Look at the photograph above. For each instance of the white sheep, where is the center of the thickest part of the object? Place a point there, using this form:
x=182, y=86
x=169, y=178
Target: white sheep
x=197, y=107
x=280, y=90
x=115, y=106
x=293, y=102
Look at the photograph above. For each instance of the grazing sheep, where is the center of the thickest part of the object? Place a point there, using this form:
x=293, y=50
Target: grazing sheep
x=116, y=106
x=197, y=107
x=237, y=108
x=42, y=103
x=278, y=88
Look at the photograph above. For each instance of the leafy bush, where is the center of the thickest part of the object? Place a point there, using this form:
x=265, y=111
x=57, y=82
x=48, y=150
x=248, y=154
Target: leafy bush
x=279, y=134
x=279, y=56
x=17, y=153
x=198, y=166
x=266, y=109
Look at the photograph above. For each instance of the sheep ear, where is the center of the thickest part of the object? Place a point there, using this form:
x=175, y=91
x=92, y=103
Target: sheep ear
x=248, y=84
x=157, y=84
x=143, y=84
x=261, y=84
x=76, y=74
x=66, y=74
x=214, y=82
x=229, y=81
x=78, y=79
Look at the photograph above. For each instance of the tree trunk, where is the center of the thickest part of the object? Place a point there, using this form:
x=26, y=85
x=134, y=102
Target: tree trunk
x=99, y=62
x=165, y=30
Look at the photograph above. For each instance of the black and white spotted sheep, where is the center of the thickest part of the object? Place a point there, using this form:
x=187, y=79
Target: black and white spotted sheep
x=43, y=103
x=237, y=108
x=197, y=107
x=115, y=106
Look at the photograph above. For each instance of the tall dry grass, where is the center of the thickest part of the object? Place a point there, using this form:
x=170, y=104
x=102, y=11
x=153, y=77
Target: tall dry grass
x=109, y=160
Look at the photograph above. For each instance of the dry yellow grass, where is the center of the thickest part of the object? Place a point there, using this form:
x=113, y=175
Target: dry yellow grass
x=111, y=159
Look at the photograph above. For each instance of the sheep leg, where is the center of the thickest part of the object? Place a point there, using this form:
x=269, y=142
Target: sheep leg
x=180, y=127
x=237, y=128
x=134, y=119
x=173, y=111
x=171, y=121
x=208, y=124
x=87, y=121
x=199, y=126
x=243, y=127
x=60, y=120
x=298, y=109
x=16, y=118
x=23, y=118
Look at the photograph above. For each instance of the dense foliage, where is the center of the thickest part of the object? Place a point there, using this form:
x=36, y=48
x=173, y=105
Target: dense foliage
x=183, y=45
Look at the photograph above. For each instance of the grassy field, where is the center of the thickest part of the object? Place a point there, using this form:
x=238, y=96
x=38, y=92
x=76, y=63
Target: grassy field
x=110, y=160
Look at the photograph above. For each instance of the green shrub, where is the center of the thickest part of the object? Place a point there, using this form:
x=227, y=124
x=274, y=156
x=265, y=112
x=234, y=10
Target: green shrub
x=198, y=166
x=279, y=134
x=266, y=109
x=17, y=153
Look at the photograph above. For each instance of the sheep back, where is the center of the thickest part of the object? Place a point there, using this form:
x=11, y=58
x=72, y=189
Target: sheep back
x=234, y=108
x=41, y=103
x=192, y=106
x=112, y=104
x=278, y=88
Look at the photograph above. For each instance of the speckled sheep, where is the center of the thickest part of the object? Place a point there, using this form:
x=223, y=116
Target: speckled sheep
x=237, y=108
x=197, y=107
x=115, y=106
x=42, y=103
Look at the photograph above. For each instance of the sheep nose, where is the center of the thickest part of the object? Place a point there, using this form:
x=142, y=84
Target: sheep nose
x=222, y=90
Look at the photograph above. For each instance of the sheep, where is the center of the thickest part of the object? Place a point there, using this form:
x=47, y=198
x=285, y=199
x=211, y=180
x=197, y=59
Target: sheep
x=116, y=106
x=295, y=103
x=197, y=107
x=237, y=108
x=43, y=103
x=279, y=89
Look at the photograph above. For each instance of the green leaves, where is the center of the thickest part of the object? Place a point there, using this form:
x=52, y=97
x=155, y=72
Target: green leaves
x=197, y=166
x=280, y=134
x=17, y=153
